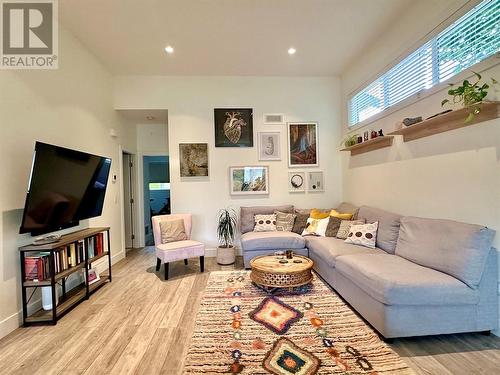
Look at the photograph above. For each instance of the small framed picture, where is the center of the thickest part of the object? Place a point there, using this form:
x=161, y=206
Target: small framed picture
x=233, y=127
x=296, y=182
x=249, y=180
x=269, y=146
x=303, y=144
x=274, y=119
x=193, y=159
x=315, y=181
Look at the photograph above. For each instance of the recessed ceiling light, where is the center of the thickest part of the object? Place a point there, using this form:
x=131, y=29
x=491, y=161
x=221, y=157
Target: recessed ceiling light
x=169, y=49
x=291, y=51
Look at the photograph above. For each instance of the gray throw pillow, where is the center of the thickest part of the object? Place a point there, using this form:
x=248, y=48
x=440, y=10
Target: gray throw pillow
x=300, y=223
x=172, y=231
x=284, y=221
x=333, y=227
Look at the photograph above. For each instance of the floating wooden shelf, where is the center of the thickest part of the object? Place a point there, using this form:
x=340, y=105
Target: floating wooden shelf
x=449, y=121
x=372, y=144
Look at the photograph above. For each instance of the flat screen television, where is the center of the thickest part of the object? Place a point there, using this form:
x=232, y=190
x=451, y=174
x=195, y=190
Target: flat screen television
x=65, y=186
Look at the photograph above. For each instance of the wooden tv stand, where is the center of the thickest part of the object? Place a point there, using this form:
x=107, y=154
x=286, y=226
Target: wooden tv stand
x=69, y=299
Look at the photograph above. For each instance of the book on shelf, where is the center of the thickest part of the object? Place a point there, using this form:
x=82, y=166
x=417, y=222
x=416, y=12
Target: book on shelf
x=37, y=265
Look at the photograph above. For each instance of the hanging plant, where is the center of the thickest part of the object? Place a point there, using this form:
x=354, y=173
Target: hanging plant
x=469, y=95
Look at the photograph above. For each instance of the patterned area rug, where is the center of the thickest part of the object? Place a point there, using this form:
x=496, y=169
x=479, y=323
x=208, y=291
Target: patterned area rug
x=243, y=329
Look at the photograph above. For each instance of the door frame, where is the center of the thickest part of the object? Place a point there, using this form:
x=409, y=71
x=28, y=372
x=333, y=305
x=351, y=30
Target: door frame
x=135, y=226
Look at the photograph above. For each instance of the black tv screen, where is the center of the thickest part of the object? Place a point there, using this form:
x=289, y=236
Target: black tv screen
x=65, y=186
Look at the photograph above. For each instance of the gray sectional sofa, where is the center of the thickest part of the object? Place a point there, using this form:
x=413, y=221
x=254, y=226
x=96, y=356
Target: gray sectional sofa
x=425, y=276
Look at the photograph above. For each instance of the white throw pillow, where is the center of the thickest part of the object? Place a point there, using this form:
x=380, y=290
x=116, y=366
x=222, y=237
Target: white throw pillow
x=316, y=227
x=265, y=223
x=364, y=235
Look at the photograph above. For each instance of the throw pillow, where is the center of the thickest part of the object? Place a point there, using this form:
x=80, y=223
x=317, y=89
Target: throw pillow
x=364, y=235
x=333, y=227
x=318, y=214
x=316, y=227
x=345, y=226
x=265, y=223
x=172, y=231
x=284, y=221
x=342, y=216
x=300, y=223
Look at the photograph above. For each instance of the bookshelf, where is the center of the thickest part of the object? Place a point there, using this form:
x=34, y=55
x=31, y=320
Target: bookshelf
x=50, y=265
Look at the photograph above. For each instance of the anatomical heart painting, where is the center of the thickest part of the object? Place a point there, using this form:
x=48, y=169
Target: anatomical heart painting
x=233, y=127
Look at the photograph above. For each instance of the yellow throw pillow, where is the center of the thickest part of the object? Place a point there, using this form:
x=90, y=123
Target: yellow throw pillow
x=318, y=214
x=341, y=216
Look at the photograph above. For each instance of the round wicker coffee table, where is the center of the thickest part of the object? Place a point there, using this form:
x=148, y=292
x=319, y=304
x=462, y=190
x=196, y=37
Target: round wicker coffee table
x=270, y=271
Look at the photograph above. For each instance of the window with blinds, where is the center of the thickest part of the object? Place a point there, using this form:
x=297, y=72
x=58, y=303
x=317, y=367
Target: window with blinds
x=469, y=40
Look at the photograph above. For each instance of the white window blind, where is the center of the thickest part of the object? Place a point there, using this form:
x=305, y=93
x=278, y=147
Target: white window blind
x=469, y=40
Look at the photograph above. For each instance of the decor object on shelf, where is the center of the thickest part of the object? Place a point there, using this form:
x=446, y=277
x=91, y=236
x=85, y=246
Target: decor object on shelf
x=330, y=331
x=269, y=145
x=274, y=119
x=351, y=140
x=380, y=133
x=178, y=250
x=366, y=135
x=359, y=139
x=315, y=181
x=303, y=144
x=371, y=145
x=250, y=180
x=226, y=229
x=296, y=182
x=449, y=121
x=409, y=121
x=233, y=127
x=439, y=114
x=193, y=159
x=373, y=135
x=469, y=95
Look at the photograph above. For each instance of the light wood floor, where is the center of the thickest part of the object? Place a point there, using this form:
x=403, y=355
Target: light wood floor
x=141, y=324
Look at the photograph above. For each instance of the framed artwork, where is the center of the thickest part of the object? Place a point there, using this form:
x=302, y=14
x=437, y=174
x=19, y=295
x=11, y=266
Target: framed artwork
x=269, y=145
x=233, y=127
x=274, y=119
x=251, y=180
x=193, y=159
x=296, y=182
x=315, y=181
x=303, y=144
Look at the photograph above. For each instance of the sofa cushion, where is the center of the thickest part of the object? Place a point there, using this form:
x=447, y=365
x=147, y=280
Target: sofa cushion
x=393, y=280
x=350, y=208
x=388, y=226
x=329, y=249
x=271, y=240
x=247, y=215
x=458, y=249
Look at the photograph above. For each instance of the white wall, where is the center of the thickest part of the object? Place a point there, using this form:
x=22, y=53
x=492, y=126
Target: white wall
x=71, y=107
x=191, y=101
x=152, y=139
x=454, y=175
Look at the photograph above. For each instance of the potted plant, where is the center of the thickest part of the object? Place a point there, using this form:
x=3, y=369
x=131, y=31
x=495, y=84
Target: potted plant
x=470, y=95
x=226, y=226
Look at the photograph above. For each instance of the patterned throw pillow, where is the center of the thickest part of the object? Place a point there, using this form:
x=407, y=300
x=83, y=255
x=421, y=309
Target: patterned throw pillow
x=172, y=231
x=284, y=221
x=265, y=223
x=316, y=227
x=345, y=226
x=300, y=223
x=333, y=227
x=364, y=235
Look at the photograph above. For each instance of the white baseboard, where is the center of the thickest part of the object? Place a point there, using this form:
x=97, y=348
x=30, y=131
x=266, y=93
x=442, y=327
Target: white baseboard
x=211, y=252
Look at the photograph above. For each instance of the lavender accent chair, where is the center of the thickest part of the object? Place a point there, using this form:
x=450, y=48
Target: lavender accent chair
x=173, y=251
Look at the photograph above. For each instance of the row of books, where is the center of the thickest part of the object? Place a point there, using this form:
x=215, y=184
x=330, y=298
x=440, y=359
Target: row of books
x=37, y=266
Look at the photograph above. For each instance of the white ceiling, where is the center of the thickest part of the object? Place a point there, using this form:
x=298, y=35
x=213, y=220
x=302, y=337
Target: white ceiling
x=228, y=37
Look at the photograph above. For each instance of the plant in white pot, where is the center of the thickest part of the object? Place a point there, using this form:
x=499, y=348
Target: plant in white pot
x=226, y=227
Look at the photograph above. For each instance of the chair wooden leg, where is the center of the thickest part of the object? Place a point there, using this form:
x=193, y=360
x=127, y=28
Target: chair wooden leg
x=166, y=271
x=202, y=263
x=185, y=262
x=158, y=264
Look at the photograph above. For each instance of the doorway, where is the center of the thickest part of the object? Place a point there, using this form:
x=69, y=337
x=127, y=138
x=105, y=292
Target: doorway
x=156, y=191
x=128, y=199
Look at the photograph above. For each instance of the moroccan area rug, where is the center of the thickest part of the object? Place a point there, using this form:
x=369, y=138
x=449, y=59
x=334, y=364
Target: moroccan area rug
x=241, y=329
